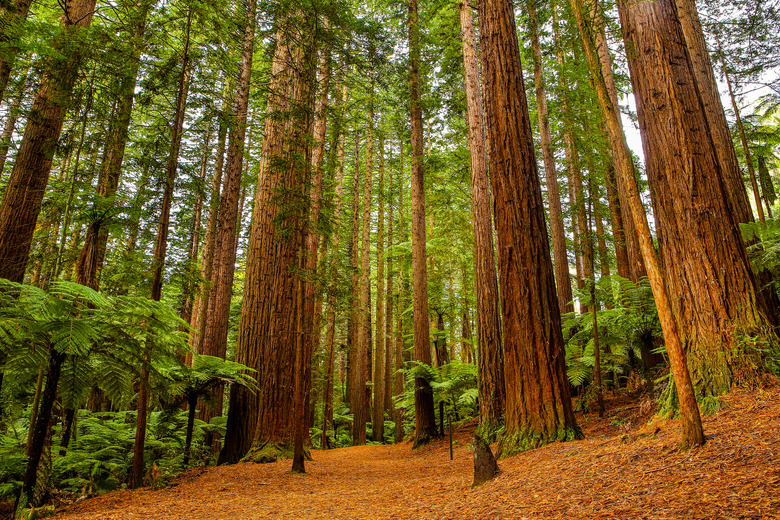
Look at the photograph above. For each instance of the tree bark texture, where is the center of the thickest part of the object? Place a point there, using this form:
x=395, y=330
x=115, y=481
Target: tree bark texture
x=200, y=307
x=361, y=369
x=538, y=403
x=691, y=419
x=30, y=175
x=425, y=418
x=270, y=321
x=330, y=322
x=491, y=350
x=715, y=295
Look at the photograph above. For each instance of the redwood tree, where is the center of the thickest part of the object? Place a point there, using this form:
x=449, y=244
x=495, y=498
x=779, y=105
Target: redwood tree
x=700, y=242
x=491, y=352
x=538, y=403
x=425, y=419
x=30, y=175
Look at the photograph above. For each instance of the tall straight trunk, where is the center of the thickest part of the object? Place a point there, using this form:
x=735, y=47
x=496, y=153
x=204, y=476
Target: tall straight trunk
x=12, y=17
x=14, y=108
x=30, y=175
x=354, y=265
x=538, y=403
x=603, y=66
x=161, y=241
x=560, y=255
x=215, y=331
x=378, y=418
x=330, y=322
x=425, y=418
x=361, y=369
x=713, y=110
x=693, y=203
x=389, y=304
x=200, y=307
x=270, y=313
x=745, y=148
x=312, y=299
x=92, y=255
x=398, y=382
x=158, y=257
x=689, y=411
x=491, y=351
x=573, y=171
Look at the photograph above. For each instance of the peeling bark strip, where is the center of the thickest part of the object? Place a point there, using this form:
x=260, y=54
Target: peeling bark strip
x=30, y=175
x=491, y=350
x=538, y=405
x=708, y=272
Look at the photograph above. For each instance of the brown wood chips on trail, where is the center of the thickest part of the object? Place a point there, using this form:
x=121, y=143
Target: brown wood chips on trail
x=620, y=471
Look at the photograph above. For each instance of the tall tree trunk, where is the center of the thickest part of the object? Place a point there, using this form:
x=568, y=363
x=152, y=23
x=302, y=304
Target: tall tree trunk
x=215, y=331
x=398, y=382
x=354, y=265
x=200, y=307
x=693, y=203
x=713, y=110
x=330, y=323
x=491, y=351
x=689, y=411
x=378, y=419
x=603, y=67
x=538, y=404
x=361, y=372
x=389, y=304
x=158, y=257
x=560, y=255
x=312, y=299
x=92, y=255
x=425, y=418
x=270, y=312
x=30, y=175
x=573, y=170
x=12, y=17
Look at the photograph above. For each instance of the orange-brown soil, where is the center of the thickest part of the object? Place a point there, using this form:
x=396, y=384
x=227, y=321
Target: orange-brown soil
x=625, y=468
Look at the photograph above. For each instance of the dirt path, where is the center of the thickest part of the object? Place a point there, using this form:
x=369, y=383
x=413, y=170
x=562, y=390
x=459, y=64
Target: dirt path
x=620, y=471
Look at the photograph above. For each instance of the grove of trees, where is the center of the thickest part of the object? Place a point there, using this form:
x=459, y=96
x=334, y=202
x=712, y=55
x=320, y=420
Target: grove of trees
x=238, y=230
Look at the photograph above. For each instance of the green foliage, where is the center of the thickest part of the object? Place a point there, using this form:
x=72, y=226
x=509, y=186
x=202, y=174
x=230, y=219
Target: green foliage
x=633, y=320
x=455, y=384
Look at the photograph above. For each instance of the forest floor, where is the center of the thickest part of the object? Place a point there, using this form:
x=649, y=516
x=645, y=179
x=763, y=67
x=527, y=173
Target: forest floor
x=629, y=466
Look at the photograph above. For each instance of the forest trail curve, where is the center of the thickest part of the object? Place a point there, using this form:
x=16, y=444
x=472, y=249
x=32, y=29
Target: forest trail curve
x=619, y=471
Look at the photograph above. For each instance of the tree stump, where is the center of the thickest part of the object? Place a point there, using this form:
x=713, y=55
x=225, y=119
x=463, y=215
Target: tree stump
x=485, y=466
